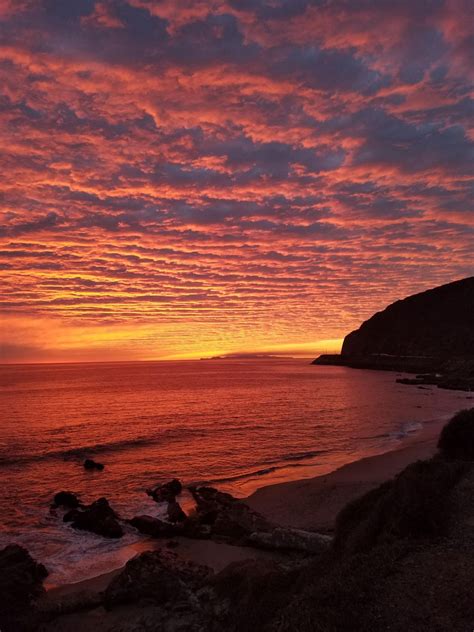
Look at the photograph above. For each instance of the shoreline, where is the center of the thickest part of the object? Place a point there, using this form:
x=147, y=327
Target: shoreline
x=313, y=503
x=309, y=503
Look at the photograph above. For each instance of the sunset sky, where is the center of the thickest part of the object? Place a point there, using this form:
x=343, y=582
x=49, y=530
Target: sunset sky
x=190, y=178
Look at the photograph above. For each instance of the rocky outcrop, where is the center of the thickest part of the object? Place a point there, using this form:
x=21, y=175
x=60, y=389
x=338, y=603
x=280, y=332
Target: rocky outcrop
x=291, y=540
x=66, y=499
x=166, y=492
x=90, y=464
x=431, y=333
x=175, y=513
x=21, y=582
x=227, y=516
x=156, y=577
x=148, y=525
x=99, y=518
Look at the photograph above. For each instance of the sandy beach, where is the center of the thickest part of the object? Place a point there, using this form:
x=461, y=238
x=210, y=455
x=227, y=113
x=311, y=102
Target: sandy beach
x=310, y=504
x=314, y=503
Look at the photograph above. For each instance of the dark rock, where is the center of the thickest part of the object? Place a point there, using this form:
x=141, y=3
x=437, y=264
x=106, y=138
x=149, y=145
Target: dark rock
x=238, y=580
x=291, y=539
x=156, y=577
x=194, y=528
x=68, y=603
x=175, y=513
x=152, y=526
x=67, y=499
x=166, y=492
x=227, y=516
x=90, y=464
x=71, y=515
x=21, y=582
x=97, y=518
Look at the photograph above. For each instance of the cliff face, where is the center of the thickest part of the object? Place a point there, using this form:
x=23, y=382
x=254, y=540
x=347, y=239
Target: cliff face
x=437, y=325
x=430, y=333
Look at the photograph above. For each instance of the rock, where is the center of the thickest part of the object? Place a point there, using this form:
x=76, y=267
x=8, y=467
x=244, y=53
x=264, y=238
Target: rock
x=73, y=602
x=97, y=518
x=21, y=580
x=152, y=526
x=227, y=516
x=193, y=528
x=166, y=492
x=66, y=499
x=90, y=464
x=291, y=539
x=238, y=580
x=175, y=513
x=155, y=577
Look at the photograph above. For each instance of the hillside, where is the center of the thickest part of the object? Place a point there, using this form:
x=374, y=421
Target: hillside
x=430, y=332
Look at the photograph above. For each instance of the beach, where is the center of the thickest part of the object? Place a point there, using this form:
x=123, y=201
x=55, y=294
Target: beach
x=314, y=503
x=311, y=504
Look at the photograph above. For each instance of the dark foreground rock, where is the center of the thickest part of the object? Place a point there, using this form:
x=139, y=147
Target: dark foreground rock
x=156, y=577
x=227, y=516
x=97, y=518
x=175, y=513
x=148, y=525
x=21, y=582
x=291, y=539
x=90, y=464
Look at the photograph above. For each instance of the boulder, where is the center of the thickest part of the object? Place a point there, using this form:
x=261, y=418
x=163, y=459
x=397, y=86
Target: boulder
x=239, y=580
x=66, y=499
x=90, y=464
x=97, y=518
x=291, y=539
x=227, y=516
x=155, y=577
x=175, y=513
x=152, y=526
x=21, y=579
x=166, y=492
x=193, y=528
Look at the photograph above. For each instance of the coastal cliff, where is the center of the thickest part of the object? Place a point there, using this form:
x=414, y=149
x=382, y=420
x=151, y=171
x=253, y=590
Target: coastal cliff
x=431, y=333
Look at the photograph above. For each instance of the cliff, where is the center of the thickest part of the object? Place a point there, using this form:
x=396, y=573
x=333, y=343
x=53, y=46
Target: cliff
x=428, y=332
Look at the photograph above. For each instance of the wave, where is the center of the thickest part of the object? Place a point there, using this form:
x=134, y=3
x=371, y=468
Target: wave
x=405, y=430
x=282, y=463
x=98, y=448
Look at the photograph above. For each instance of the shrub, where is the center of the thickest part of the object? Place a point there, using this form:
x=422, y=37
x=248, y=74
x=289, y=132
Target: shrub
x=456, y=440
x=415, y=504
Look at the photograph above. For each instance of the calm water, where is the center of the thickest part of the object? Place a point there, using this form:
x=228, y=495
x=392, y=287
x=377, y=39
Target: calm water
x=237, y=424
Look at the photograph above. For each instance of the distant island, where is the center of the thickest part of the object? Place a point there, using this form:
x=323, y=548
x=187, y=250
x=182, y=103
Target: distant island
x=249, y=356
x=430, y=334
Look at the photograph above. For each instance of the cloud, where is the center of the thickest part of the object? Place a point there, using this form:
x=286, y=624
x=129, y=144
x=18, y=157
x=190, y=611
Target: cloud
x=209, y=173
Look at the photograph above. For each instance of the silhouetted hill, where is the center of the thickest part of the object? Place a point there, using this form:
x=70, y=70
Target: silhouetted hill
x=438, y=323
x=428, y=332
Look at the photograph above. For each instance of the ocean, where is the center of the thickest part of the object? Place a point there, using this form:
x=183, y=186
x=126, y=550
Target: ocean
x=235, y=424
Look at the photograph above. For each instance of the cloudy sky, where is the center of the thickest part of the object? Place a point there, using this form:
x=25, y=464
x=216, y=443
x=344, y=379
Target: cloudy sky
x=191, y=177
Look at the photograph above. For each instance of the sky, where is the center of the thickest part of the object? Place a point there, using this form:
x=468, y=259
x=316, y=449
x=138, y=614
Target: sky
x=183, y=179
